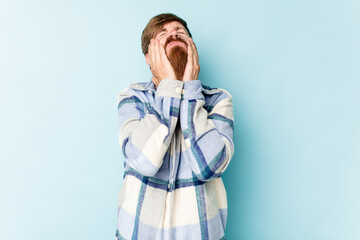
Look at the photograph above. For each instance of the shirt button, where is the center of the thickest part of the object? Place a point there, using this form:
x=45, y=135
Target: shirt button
x=178, y=90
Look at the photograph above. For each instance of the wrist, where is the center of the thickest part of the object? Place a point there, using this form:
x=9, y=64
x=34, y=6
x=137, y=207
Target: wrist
x=169, y=88
x=192, y=89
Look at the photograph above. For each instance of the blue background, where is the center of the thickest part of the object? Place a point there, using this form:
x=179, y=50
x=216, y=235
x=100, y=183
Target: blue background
x=293, y=68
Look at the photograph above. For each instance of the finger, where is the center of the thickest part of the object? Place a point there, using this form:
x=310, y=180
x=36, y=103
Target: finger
x=191, y=58
x=197, y=64
x=162, y=50
x=151, y=49
x=152, y=53
x=157, y=50
x=153, y=56
x=194, y=49
x=164, y=58
x=193, y=44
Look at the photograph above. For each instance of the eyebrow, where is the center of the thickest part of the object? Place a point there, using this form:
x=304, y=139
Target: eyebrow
x=177, y=28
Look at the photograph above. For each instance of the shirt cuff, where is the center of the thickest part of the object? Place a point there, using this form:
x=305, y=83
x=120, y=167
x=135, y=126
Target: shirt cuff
x=192, y=90
x=169, y=88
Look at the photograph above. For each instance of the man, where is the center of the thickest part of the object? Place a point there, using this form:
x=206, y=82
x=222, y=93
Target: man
x=176, y=136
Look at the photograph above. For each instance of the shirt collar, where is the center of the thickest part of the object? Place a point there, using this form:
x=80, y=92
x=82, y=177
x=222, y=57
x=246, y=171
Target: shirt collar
x=144, y=86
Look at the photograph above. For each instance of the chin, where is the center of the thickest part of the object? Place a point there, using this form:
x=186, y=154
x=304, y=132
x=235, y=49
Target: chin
x=178, y=59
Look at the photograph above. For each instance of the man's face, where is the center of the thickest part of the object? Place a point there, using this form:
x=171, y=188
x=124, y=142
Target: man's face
x=172, y=37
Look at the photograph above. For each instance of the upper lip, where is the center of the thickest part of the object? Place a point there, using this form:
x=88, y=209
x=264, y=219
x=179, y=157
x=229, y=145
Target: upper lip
x=176, y=42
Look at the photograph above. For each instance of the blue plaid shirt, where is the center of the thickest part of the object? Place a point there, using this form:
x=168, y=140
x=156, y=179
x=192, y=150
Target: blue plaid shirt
x=177, y=140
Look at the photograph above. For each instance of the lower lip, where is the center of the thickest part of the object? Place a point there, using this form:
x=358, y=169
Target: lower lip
x=176, y=43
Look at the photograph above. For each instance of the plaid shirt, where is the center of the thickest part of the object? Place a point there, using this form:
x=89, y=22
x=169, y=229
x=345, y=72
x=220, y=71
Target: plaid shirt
x=177, y=140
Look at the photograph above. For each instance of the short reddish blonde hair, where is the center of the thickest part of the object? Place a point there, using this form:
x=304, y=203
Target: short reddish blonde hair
x=155, y=25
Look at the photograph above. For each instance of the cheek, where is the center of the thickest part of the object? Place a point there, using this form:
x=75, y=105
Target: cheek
x=162, y=42
x=162, y=39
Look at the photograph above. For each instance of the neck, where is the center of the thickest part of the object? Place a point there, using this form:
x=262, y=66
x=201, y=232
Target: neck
x=154, y=80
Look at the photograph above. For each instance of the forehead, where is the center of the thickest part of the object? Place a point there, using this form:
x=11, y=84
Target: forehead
x=171, y=25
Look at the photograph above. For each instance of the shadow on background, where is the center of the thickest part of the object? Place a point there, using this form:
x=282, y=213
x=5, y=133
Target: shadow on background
x=237, y=177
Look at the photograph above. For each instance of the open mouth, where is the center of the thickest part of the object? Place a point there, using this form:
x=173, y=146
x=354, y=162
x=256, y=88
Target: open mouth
x=176, y=43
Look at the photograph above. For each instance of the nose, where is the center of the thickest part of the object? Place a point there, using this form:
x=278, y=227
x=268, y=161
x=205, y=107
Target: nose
x=174, y=33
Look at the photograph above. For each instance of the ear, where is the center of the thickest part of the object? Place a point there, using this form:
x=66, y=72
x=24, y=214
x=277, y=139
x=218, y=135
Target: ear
x=147, y=59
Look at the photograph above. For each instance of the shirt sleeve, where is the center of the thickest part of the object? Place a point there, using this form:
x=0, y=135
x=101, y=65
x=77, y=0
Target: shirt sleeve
x=146, y=128
x=208, y=133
